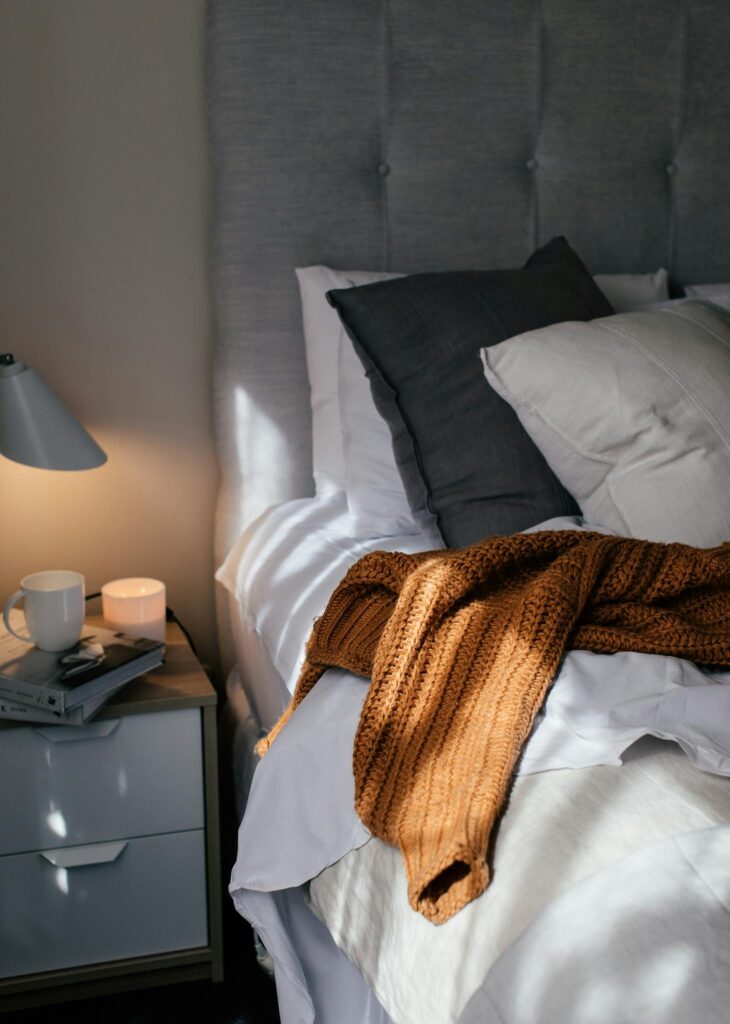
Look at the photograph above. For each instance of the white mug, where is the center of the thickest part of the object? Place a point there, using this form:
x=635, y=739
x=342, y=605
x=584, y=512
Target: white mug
x=54, y=609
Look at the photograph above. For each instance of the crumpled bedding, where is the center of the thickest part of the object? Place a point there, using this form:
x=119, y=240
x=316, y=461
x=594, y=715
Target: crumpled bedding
x=559, y=830
x=646, y=939
x=562, y=828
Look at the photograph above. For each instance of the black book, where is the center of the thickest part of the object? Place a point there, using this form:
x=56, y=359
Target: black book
x=100, y=662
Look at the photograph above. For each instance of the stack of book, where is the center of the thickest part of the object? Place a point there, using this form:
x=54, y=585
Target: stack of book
x=68, y=688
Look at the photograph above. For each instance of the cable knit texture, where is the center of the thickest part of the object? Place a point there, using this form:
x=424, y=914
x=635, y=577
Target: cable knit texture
x=461, y=647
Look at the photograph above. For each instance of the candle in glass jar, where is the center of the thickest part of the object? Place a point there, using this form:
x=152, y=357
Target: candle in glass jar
x=135, y=606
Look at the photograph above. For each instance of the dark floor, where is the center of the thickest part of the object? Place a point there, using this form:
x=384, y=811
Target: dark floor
x=197, y=1002
x=246, y=997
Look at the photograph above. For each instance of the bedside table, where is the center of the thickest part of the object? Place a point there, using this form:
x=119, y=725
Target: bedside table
x=109, y=843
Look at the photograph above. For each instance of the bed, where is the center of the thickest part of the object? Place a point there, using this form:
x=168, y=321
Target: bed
x=405, y=138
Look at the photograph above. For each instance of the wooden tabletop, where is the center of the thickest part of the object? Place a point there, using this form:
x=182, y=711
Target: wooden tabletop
x=179, y=682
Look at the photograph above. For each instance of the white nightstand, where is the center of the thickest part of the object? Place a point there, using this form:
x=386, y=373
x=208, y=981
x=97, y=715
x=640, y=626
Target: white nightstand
x=109, y=843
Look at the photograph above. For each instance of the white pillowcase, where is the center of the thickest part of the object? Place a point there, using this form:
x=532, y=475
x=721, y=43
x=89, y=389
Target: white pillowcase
x=627, y=292
x=322, y=360
x=351, y=442
x=632, y=414
x=717, y=293
x=352, y=448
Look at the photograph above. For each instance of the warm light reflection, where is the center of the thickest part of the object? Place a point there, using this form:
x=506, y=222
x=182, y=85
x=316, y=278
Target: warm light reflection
x=57, y=824
x=265, y=452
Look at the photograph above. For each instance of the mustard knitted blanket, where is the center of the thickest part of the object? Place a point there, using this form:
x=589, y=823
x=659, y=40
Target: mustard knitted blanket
x=461, y=647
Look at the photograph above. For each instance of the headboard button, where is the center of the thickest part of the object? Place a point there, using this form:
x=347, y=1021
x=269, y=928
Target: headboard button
x=383, y=170
x=671, y=168
x=531, y=164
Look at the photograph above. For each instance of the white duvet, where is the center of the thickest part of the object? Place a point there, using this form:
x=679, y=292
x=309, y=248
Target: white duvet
x=560, y=829
x=610, y=880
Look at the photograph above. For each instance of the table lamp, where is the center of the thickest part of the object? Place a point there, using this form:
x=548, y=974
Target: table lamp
x=36, y=427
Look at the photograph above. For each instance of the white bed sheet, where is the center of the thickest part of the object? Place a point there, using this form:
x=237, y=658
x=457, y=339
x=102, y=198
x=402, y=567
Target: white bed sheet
x=241, y=730
x=279, y=576
x=588, y=962
x=284, y=568
x=300, y=820
x=561, y=828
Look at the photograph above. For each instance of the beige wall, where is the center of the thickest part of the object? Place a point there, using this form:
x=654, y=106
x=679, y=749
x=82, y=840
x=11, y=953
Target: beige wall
x=103, y=288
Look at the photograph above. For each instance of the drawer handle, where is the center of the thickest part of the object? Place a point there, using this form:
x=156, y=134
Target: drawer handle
x=67, y=733
x=83, y=856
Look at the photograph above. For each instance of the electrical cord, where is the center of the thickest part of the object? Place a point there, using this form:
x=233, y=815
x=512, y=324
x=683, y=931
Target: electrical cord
x=170, y=616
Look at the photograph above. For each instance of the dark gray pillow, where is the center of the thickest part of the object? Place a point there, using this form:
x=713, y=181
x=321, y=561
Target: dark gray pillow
x=466, y=461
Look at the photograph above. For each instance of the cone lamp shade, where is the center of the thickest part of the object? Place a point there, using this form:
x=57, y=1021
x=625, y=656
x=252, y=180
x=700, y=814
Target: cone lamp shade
x=36, y=427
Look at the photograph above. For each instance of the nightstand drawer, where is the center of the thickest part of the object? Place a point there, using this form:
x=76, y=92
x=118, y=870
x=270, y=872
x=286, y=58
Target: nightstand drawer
x=108, y=901
x=129, y=776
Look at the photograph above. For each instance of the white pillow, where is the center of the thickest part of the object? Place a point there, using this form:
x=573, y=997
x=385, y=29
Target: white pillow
x=632, y=414
x=348, y=431
x=717, y=293
x=322, y=359
x=628, y=292
x=351, y=444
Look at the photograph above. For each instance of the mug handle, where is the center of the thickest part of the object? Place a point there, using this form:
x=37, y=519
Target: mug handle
x=13, y=599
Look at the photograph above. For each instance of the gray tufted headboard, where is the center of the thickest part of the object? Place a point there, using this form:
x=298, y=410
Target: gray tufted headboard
x=426, y=134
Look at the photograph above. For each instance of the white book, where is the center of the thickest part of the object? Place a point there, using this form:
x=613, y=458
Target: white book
x=52, y=682
x=17, y=712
